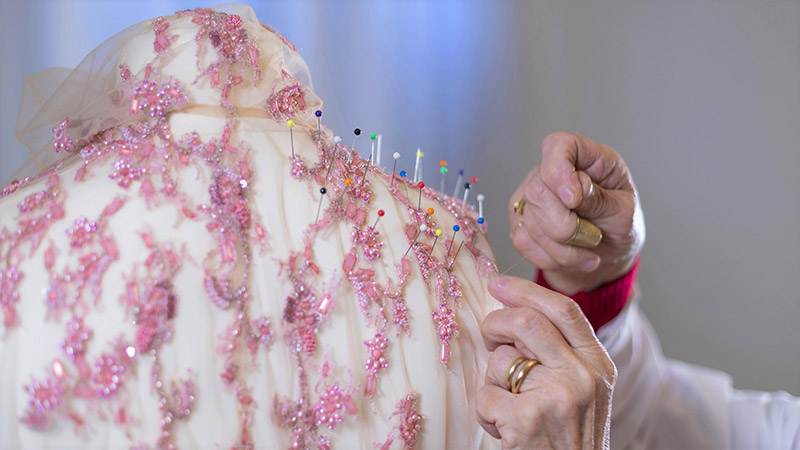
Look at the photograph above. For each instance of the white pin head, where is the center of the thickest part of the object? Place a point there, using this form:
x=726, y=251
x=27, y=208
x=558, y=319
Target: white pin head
x=396, y=155
x=423, y=227
x=480, y=197
x=337, y=139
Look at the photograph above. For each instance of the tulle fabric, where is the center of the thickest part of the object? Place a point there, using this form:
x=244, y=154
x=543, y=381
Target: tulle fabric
x=89, y=95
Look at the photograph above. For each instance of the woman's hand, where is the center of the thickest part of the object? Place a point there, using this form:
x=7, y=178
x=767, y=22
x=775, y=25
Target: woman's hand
x=578, y=177
x=565, y=400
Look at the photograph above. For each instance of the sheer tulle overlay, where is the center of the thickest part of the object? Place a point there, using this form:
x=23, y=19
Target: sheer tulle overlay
x=180, y=266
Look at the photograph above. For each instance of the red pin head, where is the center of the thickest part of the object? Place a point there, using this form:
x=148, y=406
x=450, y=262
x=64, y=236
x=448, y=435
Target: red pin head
x=381, y=213
x=420, y=185
x=474, y=180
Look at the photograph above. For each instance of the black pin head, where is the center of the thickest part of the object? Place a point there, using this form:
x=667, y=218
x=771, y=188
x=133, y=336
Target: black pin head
x=323, y=191
x=357, y=131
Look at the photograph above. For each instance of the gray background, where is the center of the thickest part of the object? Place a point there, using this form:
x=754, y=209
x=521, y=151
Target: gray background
x=701, y=98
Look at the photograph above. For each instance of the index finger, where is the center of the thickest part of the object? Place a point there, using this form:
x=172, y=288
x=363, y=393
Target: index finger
x=562, y=311
x=564, y=154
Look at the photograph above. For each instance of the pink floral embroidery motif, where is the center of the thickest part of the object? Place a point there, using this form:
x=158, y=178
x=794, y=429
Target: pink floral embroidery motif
x=407, y=412
x=163, y=39
x=156, y=98
x=45, y=398
x=285, y=103
x=446, y=328
x=61, y=140
x=108, y=375
x=82, y=232
x=77, y=335
x=125, y=173
x=375, y=361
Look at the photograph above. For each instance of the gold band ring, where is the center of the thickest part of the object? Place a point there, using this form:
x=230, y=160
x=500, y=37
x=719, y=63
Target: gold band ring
x=519, y=206
x=586, y=234
x=521, y=373
x=513, y=369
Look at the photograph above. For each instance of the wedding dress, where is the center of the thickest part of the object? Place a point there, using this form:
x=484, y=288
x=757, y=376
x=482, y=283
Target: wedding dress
x=180, y=267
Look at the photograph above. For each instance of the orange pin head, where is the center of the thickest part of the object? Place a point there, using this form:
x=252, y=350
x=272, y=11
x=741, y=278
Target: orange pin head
x=348, y=181
x=442, y=163
x=430, y=211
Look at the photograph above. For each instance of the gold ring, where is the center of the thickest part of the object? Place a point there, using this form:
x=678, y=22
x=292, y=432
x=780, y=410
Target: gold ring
x=519, y=206
x=586, y=234
x=521, y=374
x=513, y=369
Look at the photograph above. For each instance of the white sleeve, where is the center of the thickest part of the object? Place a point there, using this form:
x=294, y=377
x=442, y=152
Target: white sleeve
x=662, y=403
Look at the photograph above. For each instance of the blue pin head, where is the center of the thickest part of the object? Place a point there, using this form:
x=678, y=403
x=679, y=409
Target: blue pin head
x=318, y=113
x=461, y=172
x=480, y=220
x=456, y=228
x=403, y=173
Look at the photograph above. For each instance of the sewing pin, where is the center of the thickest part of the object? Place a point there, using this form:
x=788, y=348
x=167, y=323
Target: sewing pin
x=450, y=247
x=356, y=132
x=403, y=176
x=459, y=180
x=318, y=113
x=480, y=206
x=420, y=185
x=438, y=233
x=396, y=156
x=443, y=170
x=290, y=124
x=417, y=174
x=380, y=139
x=322, y=191
x=380, y=214
x=372, y=138
x=466, y=194
x=455, y=256
x=422, y=228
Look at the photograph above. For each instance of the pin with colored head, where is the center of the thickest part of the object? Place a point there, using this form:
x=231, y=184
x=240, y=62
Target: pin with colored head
x=450, y=247
x=417, y=169
x=422, y=229
x=403, y=176
x=318, y=113
x=380, y=214
x=356, y=133
x=322, y=192
x=420, y=185
x=372, y=138
x=395, y=156
x=467, y=186
x=443, y=171
x=459, y=180
x=480, y=207
x=290, y=124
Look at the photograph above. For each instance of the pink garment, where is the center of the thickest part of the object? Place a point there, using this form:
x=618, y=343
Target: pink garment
x=174, y=275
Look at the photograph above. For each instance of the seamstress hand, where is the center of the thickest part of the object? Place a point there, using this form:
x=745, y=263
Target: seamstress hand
x=563, y=400
x=578, y=177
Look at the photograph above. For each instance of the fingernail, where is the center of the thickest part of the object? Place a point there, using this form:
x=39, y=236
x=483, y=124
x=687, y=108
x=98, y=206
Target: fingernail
x=565, y=194
x=497, y=282
x=591, y=265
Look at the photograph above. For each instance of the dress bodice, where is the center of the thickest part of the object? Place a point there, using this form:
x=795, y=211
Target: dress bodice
x=175, y=275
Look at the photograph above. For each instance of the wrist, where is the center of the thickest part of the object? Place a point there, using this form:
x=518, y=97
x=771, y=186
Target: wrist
x=601, y=303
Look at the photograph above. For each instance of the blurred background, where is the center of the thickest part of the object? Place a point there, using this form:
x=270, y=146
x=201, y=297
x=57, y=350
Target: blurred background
x=701, y=98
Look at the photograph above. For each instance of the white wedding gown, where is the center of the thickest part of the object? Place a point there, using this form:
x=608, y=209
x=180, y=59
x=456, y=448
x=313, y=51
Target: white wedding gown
x=168, y=281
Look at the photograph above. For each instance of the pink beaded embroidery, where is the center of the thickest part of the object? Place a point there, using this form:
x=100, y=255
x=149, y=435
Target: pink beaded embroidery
x=146, y=158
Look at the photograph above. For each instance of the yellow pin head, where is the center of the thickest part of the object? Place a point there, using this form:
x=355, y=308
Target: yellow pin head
x=290, y=123
x=438, y=232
